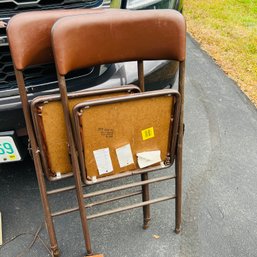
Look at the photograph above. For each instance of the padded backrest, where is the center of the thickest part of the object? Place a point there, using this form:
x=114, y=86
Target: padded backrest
x=29, y=35
x=87, y=40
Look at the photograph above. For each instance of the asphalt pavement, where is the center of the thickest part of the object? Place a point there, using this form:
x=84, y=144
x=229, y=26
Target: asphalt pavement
x=219, y=187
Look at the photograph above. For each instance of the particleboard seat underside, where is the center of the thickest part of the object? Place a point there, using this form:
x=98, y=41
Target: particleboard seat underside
x=53, y=131
x=124, y=122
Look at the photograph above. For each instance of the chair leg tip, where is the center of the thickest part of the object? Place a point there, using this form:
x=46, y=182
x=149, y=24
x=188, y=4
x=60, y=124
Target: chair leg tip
x=146, y=223
x=55, y=253
x=145, y=226
x=177, y=230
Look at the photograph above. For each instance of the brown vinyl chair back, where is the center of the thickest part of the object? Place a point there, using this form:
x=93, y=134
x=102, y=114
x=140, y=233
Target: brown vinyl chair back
x=125, y=36
x=29, y=35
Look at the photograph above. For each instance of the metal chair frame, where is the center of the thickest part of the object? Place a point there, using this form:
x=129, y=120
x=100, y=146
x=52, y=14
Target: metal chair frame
x=73, y=147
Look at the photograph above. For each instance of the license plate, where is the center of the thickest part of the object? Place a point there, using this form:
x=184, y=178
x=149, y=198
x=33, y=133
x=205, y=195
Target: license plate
x=8, y=150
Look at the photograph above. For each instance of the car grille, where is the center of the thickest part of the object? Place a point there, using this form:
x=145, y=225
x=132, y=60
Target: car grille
x=7, y=76
x=10, y=7
x=39, y=75
x=34, y=75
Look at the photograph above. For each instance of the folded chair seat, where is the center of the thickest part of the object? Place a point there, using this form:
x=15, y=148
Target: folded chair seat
x=50, y=127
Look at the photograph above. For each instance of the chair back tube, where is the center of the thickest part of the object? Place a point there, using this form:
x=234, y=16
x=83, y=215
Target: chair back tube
x=141, y=78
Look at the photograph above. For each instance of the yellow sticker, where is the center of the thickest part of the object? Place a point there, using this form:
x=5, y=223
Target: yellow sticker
x=147, y=133
x=12, y=157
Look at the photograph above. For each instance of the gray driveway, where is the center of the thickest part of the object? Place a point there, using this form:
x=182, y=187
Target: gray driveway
x=219, y=194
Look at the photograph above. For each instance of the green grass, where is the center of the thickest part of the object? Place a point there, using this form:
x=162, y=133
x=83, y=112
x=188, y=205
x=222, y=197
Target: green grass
x=227, y=30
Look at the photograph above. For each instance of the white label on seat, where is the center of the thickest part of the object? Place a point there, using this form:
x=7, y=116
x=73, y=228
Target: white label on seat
x=148, y=158
x=124, y=155
x=103, y=161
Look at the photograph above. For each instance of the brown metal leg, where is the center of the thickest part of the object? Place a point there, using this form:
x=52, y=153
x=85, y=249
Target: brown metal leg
x=75, y=164
x=82, y=209
x=141, y=78
x=178, y=160
x=38, y=167
x=46, y=208
x=145, y=197
x=178, y=169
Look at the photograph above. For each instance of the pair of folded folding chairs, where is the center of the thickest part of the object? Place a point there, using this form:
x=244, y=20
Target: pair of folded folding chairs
x=101, y=135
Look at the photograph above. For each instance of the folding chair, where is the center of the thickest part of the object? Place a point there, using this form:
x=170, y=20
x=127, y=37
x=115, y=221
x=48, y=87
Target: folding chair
x=30, y=43
x=106, y=38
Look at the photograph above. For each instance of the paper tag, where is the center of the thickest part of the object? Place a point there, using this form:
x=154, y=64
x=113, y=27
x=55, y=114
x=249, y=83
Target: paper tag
x=103, y=161
x=147, y=133
x=124, y=155
x=148, y=158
